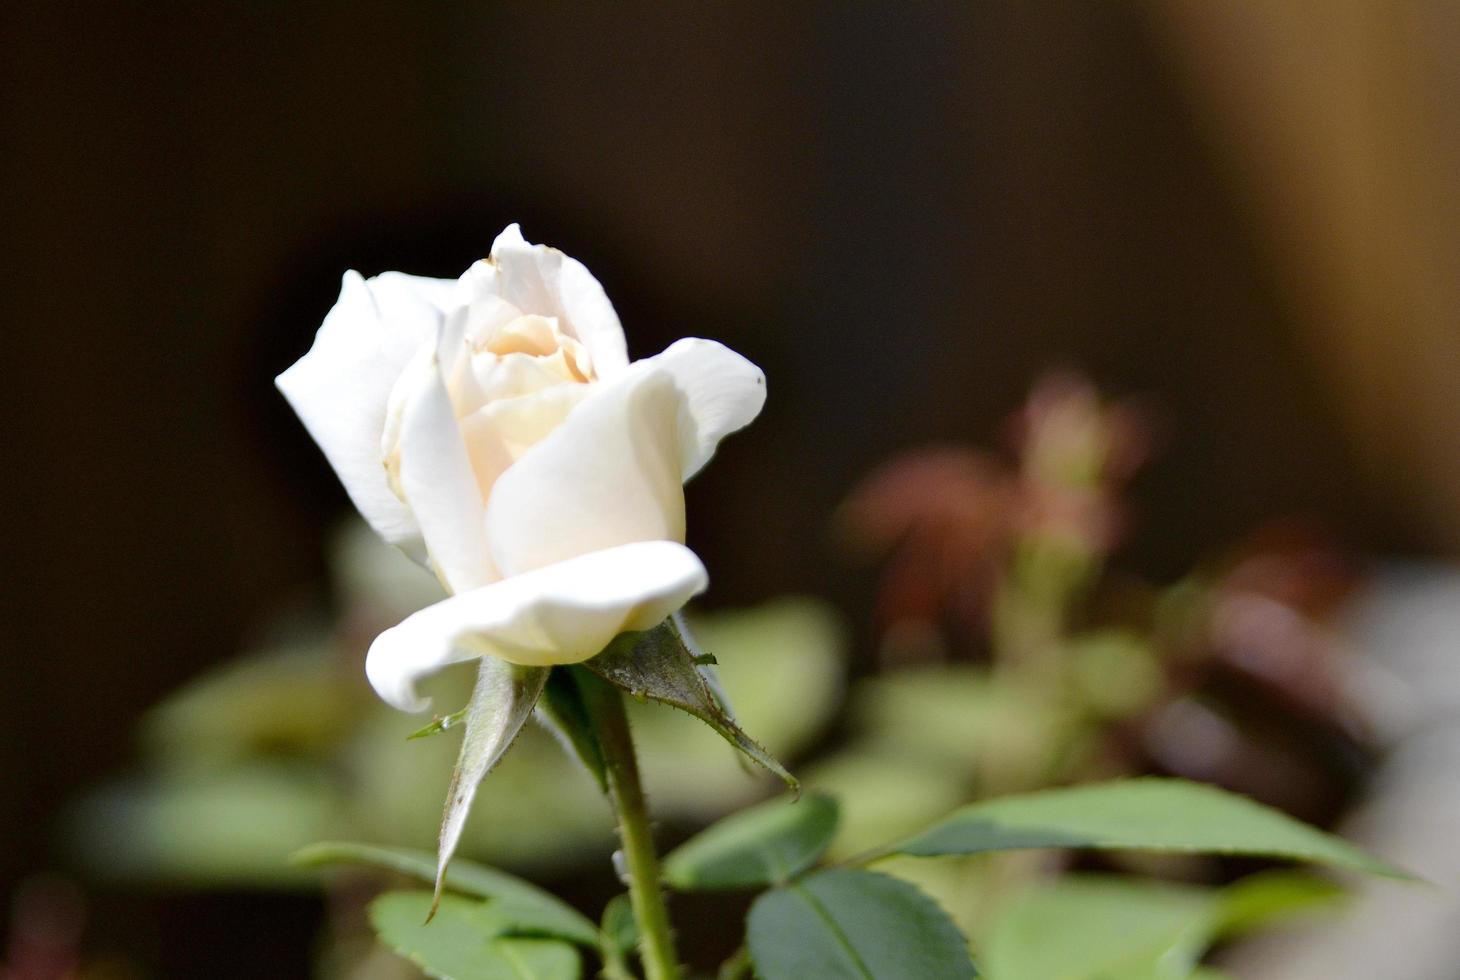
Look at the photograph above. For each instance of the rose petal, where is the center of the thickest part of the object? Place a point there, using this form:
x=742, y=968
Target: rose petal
x=340, y=388
x=426, y=452
x=489, y=378
x=609, y=475
x=498, y=433
x=564, y=613
x=722, y=392
x=542, y=280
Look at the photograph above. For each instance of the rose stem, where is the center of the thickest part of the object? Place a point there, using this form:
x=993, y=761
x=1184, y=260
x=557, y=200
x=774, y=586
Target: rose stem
x=610, y=724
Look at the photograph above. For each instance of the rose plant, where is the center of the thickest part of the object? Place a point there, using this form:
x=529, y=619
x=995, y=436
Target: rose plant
x=494, y=428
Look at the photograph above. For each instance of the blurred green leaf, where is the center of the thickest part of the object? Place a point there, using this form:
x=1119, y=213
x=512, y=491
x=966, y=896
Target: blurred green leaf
x=465, y=942
x=1138, y=814
x=1116, y=669
x=1262, y=900
x=854, y=924
x=656, y=664
x=955, y=716
x=767, y=844
x=619, y=928
x=884, y=797
x=522, y=907
x=378, y=577
x=289, y=701
x=1100, y=928
x=235, y=827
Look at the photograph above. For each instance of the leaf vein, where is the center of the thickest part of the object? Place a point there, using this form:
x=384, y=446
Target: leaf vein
x=834, y=928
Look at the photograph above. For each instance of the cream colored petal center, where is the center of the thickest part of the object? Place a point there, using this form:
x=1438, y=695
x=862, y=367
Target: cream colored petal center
x=498, y=433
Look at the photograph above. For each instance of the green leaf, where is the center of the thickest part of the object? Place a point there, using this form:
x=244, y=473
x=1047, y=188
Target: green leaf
x=956, y=716
x=464, y=940
x=767, y=844
x=231, y=828
x=1272, y=897
x=1100, y=927
x=561, y=709
x=1097, y=927
x=1137, y=814
x=656, y=664
x=501, y=702
x=854, y=924
x=1116, y=670
x=619, y=928
x=287, y=698
x=520, y=906
x=884, y=797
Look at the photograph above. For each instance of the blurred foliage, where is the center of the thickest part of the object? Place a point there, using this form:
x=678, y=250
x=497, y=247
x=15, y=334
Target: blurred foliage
x=1014, y=656
x=287, y=745
x=1010, y=656
x=1134, y=928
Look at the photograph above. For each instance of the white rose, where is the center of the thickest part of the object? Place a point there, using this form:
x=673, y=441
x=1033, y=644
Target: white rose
x=494, y=428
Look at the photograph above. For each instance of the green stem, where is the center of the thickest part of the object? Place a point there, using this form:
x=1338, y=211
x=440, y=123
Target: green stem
x=605, y=707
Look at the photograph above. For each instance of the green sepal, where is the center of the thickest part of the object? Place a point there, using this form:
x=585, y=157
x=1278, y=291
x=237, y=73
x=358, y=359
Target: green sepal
x=501, y=702
x=658, y=665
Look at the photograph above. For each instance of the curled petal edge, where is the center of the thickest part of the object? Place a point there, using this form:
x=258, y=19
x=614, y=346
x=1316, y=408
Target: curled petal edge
x=559, y=614
x=720, y=392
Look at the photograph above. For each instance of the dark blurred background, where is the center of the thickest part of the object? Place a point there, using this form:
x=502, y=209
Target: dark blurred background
x=904, y=214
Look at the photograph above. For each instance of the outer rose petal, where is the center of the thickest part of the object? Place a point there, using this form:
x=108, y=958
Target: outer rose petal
x=564, y=613
x=609, y=475
x=538, y=279
x=721, y=390
x=340, y=388
x=399, y=298
x=436, y=475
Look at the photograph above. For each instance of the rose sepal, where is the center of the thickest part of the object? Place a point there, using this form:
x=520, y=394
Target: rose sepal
x=660, y=664
x=501, y=702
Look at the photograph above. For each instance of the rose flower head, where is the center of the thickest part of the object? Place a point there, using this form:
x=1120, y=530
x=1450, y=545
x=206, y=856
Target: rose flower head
x=494, y=429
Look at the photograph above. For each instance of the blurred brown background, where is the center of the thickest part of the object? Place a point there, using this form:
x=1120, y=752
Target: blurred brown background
x=1244, y=213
